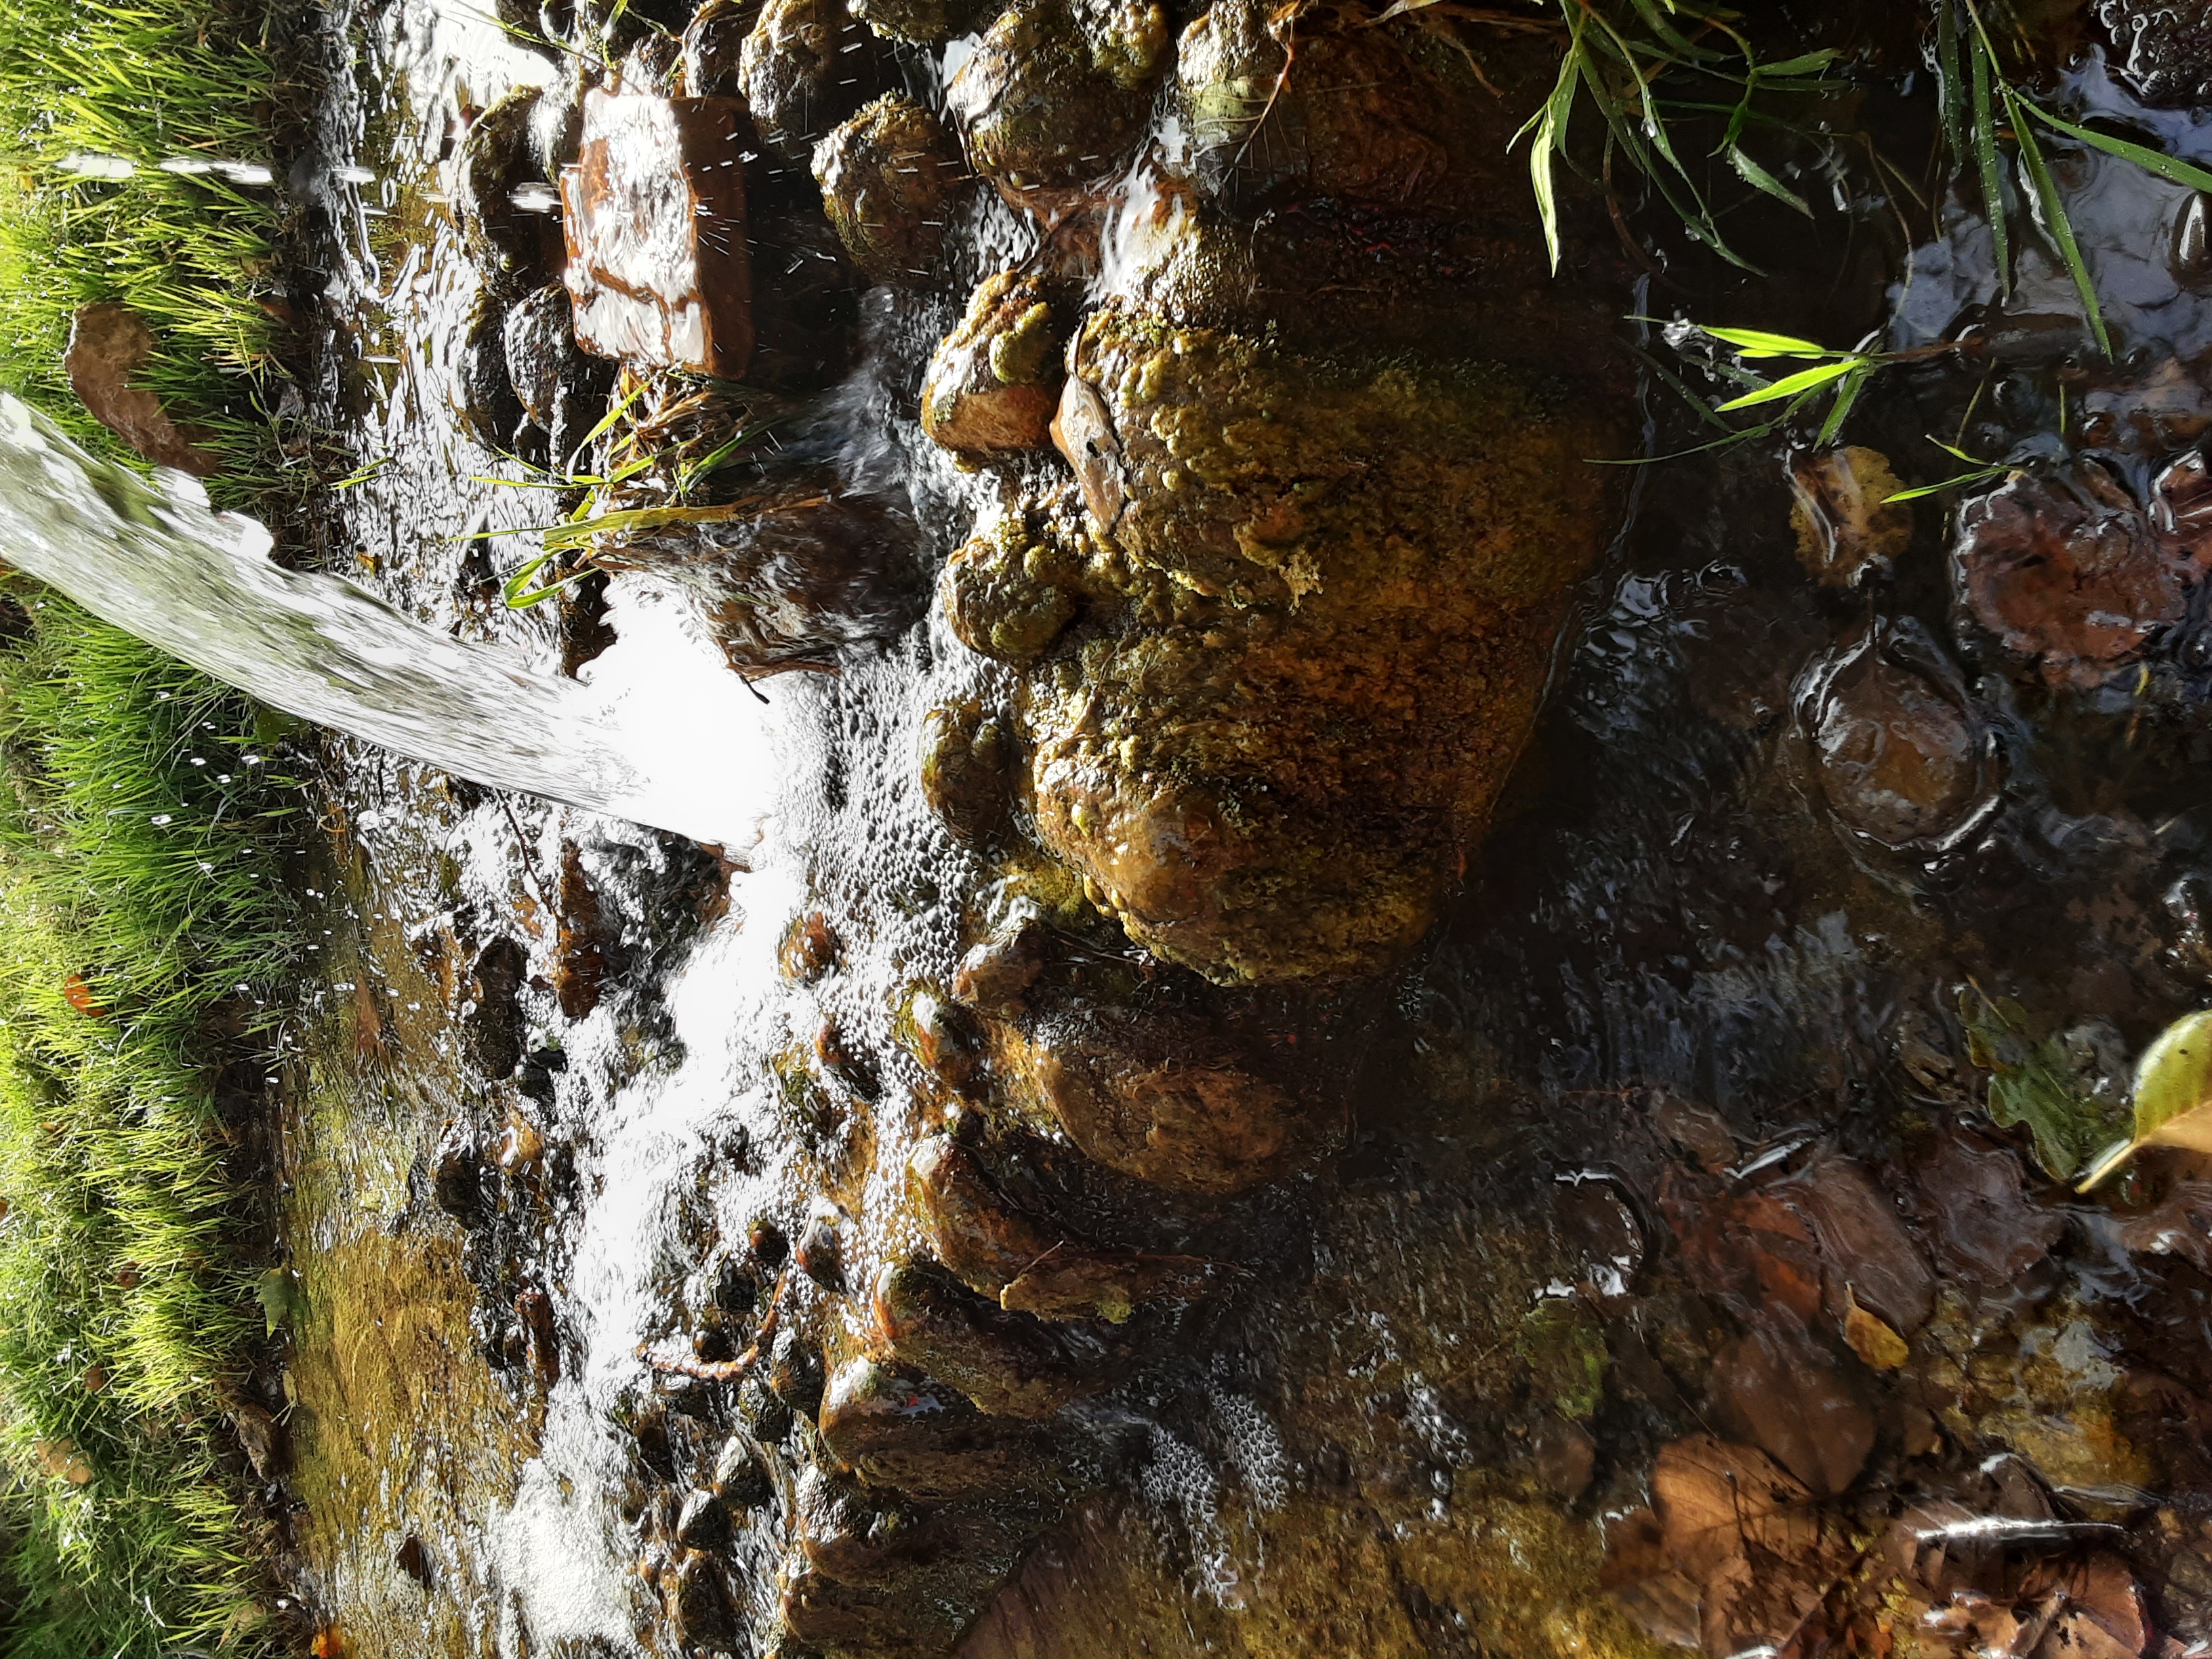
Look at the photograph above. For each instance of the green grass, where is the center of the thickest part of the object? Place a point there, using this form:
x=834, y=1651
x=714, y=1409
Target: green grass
x=147, y=82
x=141, y=919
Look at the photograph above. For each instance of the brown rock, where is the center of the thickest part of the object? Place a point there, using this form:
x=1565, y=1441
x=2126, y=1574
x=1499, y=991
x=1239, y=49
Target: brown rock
x=967, y=757
x=1983, y=1229
x=999, y=594
x=896, y=1428
x=987, y=1242
x=1056, y=94
x=1163, y=1100
x=1903, y=755
x=993, y=384
x=1791, y=1397
x=1302, y=693
x=1862, y=1241
x=1009, y=1365
x=804, y=69
x=654, y=212
x=107, y=345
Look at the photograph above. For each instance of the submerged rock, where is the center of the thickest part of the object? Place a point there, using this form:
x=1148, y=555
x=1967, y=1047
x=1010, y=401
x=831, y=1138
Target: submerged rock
x=993, y=383
x=512, y=247
x=791, y=580
x=921, y=22
x=1007, y=594
x=1008, y=1364
x=967, y=761
x=654, y=212
x=887, y=180
x=562, y=390
x=1904, y=758
x=714, y=48
x=900, y=1430
x=1347, y=114
x=483, y=392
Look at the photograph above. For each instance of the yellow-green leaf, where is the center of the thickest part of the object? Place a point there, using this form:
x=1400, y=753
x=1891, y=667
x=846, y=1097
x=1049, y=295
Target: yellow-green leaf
x=2174, y=1096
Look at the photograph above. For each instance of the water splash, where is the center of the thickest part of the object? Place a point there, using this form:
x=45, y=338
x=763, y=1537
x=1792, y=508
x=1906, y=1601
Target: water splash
x=161, y=564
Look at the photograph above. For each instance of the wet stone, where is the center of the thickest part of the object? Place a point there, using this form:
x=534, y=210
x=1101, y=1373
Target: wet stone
x=739, y=1480
x=966, y=759
x=492, y=1018
x=937, y=1034
x=806, y=66
x=411, y=1558
x=887, y=178
x=654, y=210
x=562, y=390
x=702, y=1523
x=482, y=393
x=2068, y=576
x=767, y=1243
x=765, y=1416
x=903, y=1431
x=1903, y=756
x=713, y=46
x=994, y=977
x=698, y=1606
x=457, y=1176
x=920, y=22
x=821, y=1253
x=650, y=67
x=794, y=1372
x=996, y=593
x=1057, y=93
x=533, y=1313
x=1008, y=1364
x=514, y=247
x=1349, y=116
x=993, y=384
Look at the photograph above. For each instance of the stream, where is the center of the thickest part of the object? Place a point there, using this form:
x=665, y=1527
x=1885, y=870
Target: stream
x=1312, y=1024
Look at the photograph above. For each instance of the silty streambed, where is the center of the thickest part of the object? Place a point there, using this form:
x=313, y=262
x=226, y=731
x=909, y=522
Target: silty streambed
x=1527, y=1310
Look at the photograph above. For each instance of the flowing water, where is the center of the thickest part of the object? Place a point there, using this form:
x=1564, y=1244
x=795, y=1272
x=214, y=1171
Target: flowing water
x=1557, y=1341
x=161, y=564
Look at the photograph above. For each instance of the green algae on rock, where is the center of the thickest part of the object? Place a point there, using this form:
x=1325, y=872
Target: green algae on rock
x=1323, y=611
x=993, y=382
x=886, y=179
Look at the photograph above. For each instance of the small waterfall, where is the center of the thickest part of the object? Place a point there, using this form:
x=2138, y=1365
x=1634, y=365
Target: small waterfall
x=160, y=563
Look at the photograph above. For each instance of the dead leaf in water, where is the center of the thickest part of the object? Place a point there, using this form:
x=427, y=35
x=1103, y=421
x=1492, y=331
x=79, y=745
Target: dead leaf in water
x=1871, y=1339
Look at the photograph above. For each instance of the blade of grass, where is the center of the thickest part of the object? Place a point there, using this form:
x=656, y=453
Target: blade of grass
x=2051, y=209
x=1846, y=396
x=1988, y=164
x=1791, y=385
x=1760, y=179
x=2151, y=161
x=1951, y=91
